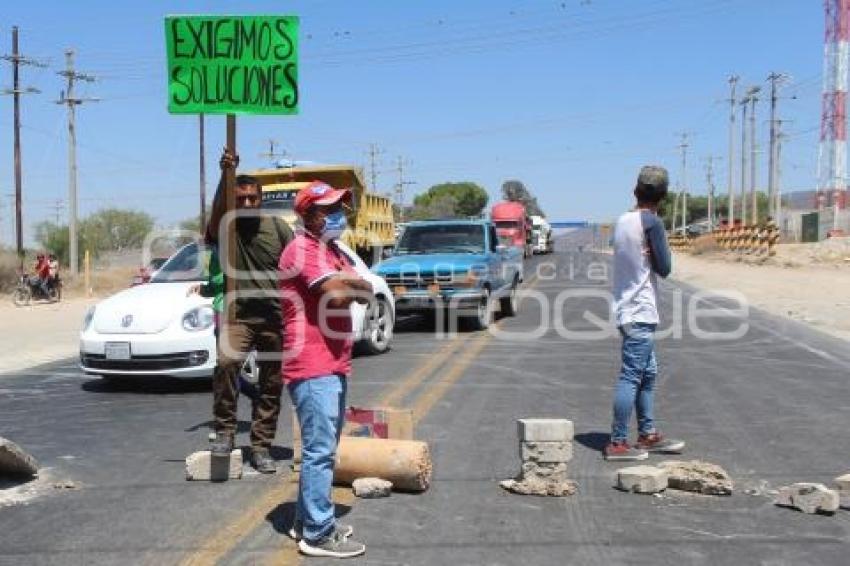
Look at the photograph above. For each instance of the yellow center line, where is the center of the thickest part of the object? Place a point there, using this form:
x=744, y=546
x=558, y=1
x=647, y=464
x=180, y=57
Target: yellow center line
x=224, y=540
x=425, y=402
x=397, y=394
x=436, y=391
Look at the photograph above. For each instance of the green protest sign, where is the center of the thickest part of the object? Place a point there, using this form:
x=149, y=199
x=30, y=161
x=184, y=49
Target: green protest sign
x=232, y=64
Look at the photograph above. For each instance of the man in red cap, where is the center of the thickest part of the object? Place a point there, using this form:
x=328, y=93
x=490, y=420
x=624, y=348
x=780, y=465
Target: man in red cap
x=318, y=284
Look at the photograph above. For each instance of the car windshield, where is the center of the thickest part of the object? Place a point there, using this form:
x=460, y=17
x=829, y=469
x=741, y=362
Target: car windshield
x=278, y=200
x=442, y=238
x=188, y=264
x=507, y=224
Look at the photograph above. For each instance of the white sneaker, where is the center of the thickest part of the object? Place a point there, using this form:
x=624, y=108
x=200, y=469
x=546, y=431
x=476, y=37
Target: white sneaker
x=296, y=531
x=332, y=546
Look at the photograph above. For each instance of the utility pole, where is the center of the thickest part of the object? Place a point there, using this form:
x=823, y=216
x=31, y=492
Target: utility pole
x=399, y=189
x=775, y=81
x=374, y=152
x=57, y=207
x=733, y=83
x=744, y=102
x=754, y=204
x=272, y=154
x=202, y=174
x=16, y=59
x=683, y=146
x=709, y=177
x=777, y=205
x=67, y=98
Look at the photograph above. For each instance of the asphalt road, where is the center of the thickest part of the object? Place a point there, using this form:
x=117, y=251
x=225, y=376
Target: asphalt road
x=770, y=406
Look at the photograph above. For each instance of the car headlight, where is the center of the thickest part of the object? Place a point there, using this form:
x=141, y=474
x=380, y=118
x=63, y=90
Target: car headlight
x=199, y=318
x=89, y=317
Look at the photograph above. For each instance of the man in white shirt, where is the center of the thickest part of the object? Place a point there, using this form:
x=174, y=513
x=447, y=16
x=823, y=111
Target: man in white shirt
x=641, y=254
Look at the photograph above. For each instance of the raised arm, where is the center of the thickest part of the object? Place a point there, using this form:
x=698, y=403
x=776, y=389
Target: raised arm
x=227, y=161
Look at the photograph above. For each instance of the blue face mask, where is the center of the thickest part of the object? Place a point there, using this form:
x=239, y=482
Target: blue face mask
x=335, y=225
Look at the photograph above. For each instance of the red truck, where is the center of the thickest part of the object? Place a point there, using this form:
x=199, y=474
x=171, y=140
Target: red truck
x=513, y=225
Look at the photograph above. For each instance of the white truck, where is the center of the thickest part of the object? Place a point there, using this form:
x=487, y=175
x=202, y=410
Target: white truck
x=541, y=235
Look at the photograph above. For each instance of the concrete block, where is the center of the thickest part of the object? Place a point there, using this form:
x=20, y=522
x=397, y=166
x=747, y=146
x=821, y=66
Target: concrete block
x=14, y=461
x=545, y=471
x=201, y=466
x=642, y=479
x=371, y=488
x=843, y=483
x=531, y=486
x=698, y=477
x=808, y=498
x=545, y=430
x=545, y=451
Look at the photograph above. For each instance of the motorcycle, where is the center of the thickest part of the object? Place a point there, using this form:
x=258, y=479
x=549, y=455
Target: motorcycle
x=29, y=289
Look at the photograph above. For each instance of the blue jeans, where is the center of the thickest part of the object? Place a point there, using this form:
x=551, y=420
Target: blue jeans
x=320, y=406
x=636, y=384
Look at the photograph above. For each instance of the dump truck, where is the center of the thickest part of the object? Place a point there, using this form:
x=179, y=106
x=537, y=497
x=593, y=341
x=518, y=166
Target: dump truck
x=371, y=228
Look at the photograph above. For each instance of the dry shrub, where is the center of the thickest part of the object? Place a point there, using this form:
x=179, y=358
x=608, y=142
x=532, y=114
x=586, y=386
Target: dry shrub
x=8, y=271
x=104, y=282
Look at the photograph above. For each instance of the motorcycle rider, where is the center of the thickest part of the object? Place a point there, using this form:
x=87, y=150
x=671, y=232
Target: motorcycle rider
x=42, y=274
x=53, y=264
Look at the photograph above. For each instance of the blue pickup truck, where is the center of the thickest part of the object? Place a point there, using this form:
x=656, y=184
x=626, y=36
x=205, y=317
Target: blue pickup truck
x=455, y=265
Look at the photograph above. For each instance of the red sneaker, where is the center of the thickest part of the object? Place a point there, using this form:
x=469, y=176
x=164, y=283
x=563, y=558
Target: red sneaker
x=654, y=442
x=621, y=451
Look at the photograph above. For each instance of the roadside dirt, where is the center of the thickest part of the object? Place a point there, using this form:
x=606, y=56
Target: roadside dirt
x=804, y=282
x=40, y=333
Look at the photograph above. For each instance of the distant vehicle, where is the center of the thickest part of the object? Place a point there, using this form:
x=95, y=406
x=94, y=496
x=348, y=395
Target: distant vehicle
x=371, y=225
x=512, y=221
x=458, y=265
x=541, y=235
x=160, y=329
x=399, y=228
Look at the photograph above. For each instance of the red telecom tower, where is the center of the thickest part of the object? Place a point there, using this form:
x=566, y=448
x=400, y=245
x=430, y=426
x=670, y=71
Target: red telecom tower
x=832, y=155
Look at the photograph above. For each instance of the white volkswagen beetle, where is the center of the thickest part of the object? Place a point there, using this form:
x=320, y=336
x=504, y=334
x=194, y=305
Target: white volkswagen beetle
x=159, y=328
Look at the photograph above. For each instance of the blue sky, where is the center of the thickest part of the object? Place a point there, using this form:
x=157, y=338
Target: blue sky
x=570, y=97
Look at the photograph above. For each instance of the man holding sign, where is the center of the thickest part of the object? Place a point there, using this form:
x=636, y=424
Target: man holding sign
x=260, y=239
x=240, y=65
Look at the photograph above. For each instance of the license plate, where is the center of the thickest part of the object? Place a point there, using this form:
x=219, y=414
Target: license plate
x=117, y=351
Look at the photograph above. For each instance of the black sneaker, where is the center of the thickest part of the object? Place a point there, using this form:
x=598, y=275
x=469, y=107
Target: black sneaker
x=296, y=531
x=222, y=444
x=263, y=462
x=332, y=546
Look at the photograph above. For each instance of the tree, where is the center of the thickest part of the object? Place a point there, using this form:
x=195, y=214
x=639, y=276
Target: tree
x=450, y=200
x=106, y=230
x=192, y=224
x=698, y=208
x=515, y=191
